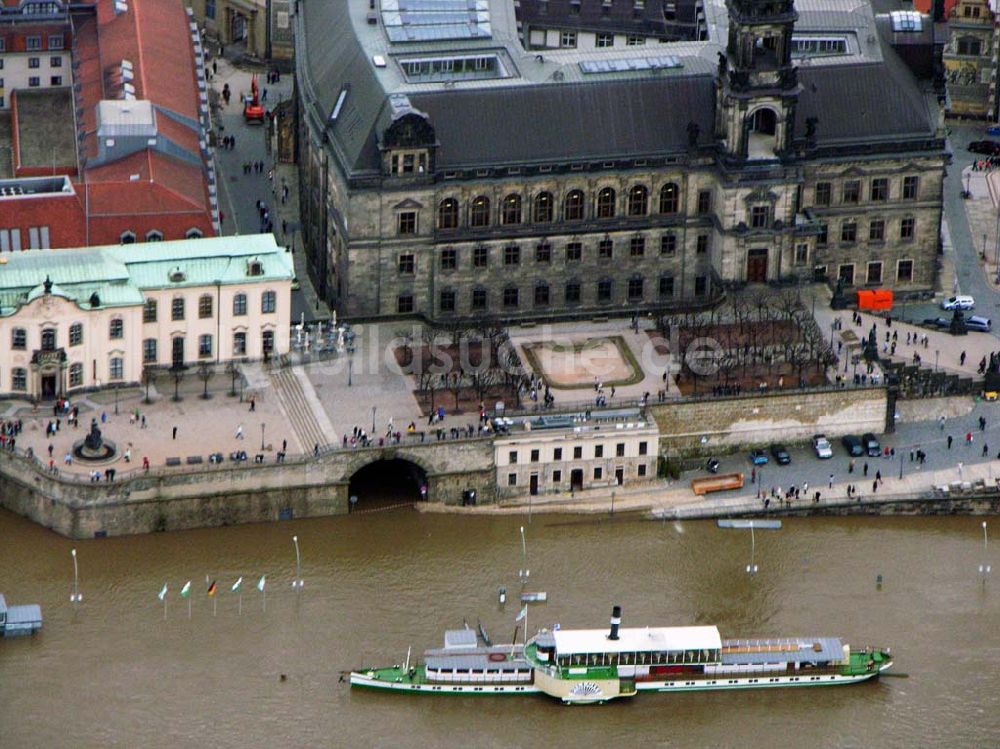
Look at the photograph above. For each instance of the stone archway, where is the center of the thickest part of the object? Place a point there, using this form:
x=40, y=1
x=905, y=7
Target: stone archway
x=762, y=131
x=386, y=482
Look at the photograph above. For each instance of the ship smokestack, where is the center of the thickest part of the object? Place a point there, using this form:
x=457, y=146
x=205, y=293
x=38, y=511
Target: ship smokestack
x=616, y=622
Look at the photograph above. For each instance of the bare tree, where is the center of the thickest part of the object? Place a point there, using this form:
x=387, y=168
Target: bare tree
x=205, y=373
x=149, y=375
x=178, y=374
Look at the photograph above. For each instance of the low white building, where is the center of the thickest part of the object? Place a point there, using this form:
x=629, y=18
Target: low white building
x=90, y=317
x=562, y=453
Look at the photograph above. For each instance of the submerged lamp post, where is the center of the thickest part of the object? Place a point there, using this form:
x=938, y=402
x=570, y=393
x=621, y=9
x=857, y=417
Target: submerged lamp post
x=75, y=596
x=297, y=583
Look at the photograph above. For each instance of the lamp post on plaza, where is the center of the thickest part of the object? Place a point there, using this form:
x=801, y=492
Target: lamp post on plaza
x=901, y=464
x=936, y=354
x=262, y=425
x=374, y=408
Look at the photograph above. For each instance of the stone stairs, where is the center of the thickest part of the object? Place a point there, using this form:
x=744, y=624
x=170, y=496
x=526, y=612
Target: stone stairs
x=310, y=422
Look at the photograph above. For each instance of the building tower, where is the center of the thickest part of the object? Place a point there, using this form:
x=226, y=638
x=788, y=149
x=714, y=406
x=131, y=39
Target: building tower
x=757, y=86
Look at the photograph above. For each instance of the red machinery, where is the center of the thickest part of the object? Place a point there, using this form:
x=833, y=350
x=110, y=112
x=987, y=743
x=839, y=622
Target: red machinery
x=253, y=110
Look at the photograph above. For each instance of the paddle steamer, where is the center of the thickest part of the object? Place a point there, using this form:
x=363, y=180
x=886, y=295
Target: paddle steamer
x=590, y=665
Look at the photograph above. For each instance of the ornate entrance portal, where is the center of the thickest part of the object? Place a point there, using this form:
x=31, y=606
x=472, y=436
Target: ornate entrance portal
x=757, y=265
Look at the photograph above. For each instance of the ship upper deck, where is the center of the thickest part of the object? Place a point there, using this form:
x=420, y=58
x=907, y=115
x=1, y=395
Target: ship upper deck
x=778, y=649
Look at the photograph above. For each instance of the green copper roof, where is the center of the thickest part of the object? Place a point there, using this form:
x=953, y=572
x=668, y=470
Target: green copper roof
x=117, y=274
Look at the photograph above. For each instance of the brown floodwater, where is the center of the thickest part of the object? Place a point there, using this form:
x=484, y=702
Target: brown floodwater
x=116, y=673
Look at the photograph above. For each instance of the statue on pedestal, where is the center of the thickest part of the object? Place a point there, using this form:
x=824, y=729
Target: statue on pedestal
x=93, y=440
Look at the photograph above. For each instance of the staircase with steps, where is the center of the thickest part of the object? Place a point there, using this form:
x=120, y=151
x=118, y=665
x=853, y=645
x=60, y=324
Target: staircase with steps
x=310, y=422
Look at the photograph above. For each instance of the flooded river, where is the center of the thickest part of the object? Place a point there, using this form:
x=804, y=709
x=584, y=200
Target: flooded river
x=116, y=673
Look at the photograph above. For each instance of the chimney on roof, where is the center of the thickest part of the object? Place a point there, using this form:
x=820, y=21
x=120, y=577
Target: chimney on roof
x=616, y=622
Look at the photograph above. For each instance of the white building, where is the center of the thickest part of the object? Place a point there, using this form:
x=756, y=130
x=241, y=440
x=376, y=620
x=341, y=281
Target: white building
x=86, y=318
x=562, y=453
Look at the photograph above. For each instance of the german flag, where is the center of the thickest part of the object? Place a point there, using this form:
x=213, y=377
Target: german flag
x=212, y=588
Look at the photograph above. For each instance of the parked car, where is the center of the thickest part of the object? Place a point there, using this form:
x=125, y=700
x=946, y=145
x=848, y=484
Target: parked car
x=958, y=302
x=975, y=322
x=987, y=147
x=870, y=443
x=822, y=446
x=758, y=457
x=993, y=130
x=780, y=455
x=937, y=322
x=852, y=443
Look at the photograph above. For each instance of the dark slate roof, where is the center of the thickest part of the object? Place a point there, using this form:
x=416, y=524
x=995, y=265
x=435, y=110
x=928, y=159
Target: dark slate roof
x=864, y=102
x=568, y=121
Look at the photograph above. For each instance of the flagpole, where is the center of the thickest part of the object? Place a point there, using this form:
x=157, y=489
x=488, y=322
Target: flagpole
x=164, y=608
x=189, y=607
x=241, y=604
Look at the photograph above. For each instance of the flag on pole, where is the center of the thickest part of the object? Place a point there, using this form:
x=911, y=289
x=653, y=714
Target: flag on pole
x=237, y=584
x=212, y=588
x=186, y=590
x=261, y=583
x=524, y=613
x=163, y=592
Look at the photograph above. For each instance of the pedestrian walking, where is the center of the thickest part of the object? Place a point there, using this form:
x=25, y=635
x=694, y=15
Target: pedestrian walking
x=805, y=487
x=986, y=449
x=982, y=423
x=968, y=438
x=865, y=468
x=878, y=476
x=961, y=359
x=874, y=487
x=175, y=433
x=949, y=441
x=253, y=403
x=215, y=67
x=239, y=432
x=850, y=466
x=830, y=484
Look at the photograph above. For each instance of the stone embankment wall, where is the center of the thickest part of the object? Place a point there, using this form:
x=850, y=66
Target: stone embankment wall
x=227, y=495
x=756, y=419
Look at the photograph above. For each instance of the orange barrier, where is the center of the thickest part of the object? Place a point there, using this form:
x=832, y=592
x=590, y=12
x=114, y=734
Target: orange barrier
x=875, y=299
x=720, y=483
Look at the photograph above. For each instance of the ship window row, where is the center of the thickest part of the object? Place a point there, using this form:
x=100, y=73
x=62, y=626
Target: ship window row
x=642, y=658
x=606, y=203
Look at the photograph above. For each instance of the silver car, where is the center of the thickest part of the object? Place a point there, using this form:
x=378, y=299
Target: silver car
x=981, y=324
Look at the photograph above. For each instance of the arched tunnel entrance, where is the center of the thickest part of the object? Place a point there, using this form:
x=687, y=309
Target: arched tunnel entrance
x=385, y=483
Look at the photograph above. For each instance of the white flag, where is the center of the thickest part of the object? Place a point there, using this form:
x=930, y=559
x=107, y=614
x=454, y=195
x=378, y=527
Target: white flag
x=261, y=582
x=524, y=613
x=237, y=584
x=163, y=592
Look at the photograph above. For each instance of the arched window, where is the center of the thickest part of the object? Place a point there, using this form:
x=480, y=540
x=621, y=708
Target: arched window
x=116, y=328
x=480, y=214
x=154, y=236
x=573, y=209
x=543, y=207
x=511, y=213
x=239, y=305
x=606, y=203
x=541, y=294
x=193, y=233
x=127, y=237
x=638, y=201
x=448, y=214
x=670, y=198
x=76, y=375
x=205, y=305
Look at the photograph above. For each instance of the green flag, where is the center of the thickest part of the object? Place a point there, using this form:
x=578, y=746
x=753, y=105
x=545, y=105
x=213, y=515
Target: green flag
x=186, y=590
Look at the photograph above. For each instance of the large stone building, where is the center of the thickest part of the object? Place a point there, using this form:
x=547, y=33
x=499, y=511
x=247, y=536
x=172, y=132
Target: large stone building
x=970, y=60
x=90, y=317
x=448, y=171
x=259, y=28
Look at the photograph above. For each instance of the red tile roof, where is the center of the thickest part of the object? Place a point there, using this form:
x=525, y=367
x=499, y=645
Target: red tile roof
x=170, y=195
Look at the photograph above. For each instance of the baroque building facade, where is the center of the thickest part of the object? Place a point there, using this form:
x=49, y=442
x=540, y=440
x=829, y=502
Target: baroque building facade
x=470, y=180
x=970, y=59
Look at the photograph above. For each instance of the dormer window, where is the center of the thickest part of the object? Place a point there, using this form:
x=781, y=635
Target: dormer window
x=177, y=275
x=255, y=267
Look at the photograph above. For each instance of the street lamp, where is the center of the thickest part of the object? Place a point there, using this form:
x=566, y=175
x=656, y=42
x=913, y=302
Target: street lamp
x=75, y=596
x=116, y=400
x=901, y=464
x=936, y=354
x=298, y=582
x=612, y=504
x=350, y=369
x=374, y=408
x=262, y=436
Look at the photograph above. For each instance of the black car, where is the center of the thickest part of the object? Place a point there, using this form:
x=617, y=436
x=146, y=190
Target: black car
x=937, y=322
x=852, y=443
x=780, y=455
x=872, y=448
x=986, y=147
